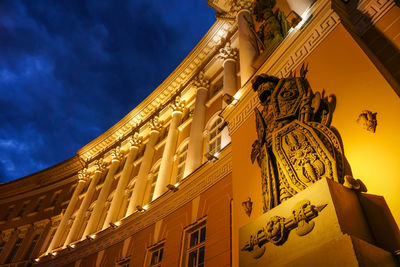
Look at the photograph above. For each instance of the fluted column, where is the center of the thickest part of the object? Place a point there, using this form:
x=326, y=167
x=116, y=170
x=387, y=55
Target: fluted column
x=112, y=215
x=247, y=51
x=164, y=174
x=83, y=177
x=77, y=224
x=145, y=166
x=195, y=148
x=93, y=222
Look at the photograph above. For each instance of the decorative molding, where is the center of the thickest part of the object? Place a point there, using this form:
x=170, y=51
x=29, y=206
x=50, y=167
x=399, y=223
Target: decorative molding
x=155, y=124
x=190, y=188
x=135, y=140
x=116, y=154
x=83, y=175
x=227, y=52
x=178, y=105
x=99, y=165
x=175, y=82
x=200, y=81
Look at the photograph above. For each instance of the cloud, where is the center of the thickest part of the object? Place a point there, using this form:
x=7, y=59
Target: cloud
x=69, y=70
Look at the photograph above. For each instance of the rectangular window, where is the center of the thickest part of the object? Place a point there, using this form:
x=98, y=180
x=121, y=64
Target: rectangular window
x=14, y=250
x=195, y=245
x=155, y=256
x=55, y=199
x=38, y=205
x=22, y=210
x=123, y=263
x=32, y=246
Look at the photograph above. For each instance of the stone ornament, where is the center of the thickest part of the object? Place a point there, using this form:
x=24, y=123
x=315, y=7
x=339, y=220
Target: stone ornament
x=116, y=154
x=83, y=175
x=242, y=4
x=227, y=52
x=99, y=165
x=155, y=124
x=247, y=206
x=23, y=230
x=368, y=120
x=5, y=235
x=295, y=145
x=135, y=140
x=200, y=81
x=178, y=105
x=277, y=229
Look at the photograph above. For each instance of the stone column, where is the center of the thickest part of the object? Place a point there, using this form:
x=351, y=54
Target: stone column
x=145, y=166
x=83, y=177
x=247, y=51
x=93, y=222
x=195, y=148
x=164, y=174
x=134, y=141
x=77, y=224
x=229, y=57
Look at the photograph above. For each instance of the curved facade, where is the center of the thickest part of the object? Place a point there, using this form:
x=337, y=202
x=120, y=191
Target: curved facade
x=167, y=185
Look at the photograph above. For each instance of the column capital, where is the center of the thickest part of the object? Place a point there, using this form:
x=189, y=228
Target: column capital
x=23, y=230
x=178, y=105
x=83, y=175
x=200, y=81
x=116, y=154
x=100, y=166
x=155, y=124
x=239, y=5
x=40, y=225
x=135, y=140
x=227, y=52
x=5, y=235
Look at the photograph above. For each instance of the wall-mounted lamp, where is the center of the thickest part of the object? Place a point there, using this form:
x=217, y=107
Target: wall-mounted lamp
x=53, y=253
x=227, y=98
x=36, y=260
x=172, y=187
x=70, y=246
x=211, y=157
x=115, y=225
x=140, y=208
x=90, y=237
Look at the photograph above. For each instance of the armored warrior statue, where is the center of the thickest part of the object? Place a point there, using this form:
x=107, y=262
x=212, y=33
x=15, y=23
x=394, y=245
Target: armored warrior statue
x=295, y=145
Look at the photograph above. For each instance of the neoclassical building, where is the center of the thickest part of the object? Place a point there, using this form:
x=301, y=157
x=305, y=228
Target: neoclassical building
x=173, y=182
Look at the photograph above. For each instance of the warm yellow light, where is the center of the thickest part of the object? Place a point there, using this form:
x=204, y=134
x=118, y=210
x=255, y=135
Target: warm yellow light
x=145, y=207
x=117, y=223
x=72, y=245
x=37, y=260
x=93, y=236
x=54, y=253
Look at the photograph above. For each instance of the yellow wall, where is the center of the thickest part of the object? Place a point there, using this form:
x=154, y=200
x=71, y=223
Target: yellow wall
x=340, y=67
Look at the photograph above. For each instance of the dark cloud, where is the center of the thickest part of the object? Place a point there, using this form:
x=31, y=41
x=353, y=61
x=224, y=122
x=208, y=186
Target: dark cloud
x=69, y=70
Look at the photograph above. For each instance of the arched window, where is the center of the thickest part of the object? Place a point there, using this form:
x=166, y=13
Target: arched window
x=214, y=136
x=181, y=160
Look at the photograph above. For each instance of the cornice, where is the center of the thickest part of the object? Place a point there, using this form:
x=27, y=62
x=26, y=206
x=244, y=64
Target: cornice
x=44, y=180
x=181, y=76
x=198, y=182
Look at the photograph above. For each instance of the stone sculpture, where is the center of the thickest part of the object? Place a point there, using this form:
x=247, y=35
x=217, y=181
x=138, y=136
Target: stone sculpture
x=295, y=145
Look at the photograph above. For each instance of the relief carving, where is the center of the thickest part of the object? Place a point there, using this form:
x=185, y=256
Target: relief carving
x=368, y=120
x=135, y=140
x=178, y=105
x=295, y=145
x=277, y=229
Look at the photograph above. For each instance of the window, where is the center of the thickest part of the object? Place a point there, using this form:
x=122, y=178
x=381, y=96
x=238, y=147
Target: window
x=181, y=162
x=7, y=215
x=2, y=244
x=14, y=250
x=32, y=246
x=55, y=199
x=214, y=140
x=22, y=210
x=153, y=183
x=155, y=256
x=123, y=262
x=38, y=204
x=195, y=246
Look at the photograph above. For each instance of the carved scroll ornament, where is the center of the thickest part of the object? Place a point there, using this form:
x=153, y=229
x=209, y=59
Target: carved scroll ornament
x=277, y=229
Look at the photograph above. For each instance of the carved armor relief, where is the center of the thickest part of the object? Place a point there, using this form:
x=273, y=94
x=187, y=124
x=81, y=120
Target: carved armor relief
x=295, y=145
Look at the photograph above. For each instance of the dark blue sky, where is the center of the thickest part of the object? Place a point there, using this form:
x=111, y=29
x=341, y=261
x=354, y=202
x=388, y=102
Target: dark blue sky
x=69, y=70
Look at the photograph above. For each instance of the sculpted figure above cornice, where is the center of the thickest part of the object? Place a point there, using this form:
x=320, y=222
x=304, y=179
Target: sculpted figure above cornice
x=155, y=124
x=116, y=154
x=200, y=81
x=135, y=140
x=227, y=52
x=99, y=165
x=241, y=5
x=83, y=175
x=178, y=105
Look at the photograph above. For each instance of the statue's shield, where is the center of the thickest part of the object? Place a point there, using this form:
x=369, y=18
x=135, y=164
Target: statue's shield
x=302, y=155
